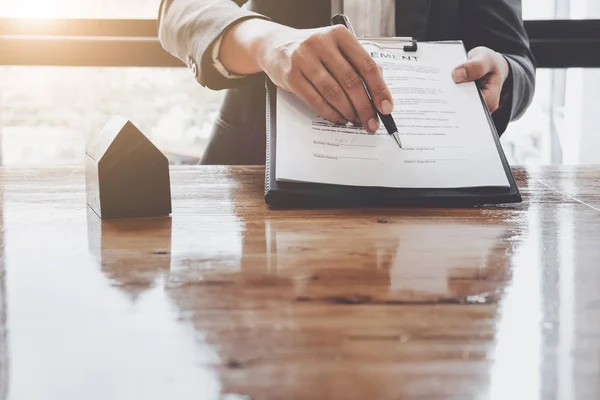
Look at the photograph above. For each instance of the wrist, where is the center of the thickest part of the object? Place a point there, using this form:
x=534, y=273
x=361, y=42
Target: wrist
x=244, y=45
x=504, y=67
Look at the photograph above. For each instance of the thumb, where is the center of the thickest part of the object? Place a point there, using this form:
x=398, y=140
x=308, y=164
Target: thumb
x=478, y=66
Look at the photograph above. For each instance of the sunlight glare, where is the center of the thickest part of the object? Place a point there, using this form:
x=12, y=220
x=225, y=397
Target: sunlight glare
x=37, y=8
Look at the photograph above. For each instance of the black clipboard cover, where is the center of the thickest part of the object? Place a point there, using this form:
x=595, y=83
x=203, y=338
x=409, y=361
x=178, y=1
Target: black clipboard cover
x=317, y=195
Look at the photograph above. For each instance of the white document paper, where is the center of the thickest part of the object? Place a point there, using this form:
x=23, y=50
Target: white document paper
x=446, y=137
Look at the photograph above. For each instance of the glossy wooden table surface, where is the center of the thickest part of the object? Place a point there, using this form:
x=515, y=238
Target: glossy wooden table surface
x=228, y=300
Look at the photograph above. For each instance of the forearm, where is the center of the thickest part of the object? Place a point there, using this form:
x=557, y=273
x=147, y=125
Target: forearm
x=187, y=28
x=498, y=24
x=522, y=85
x=243, y=43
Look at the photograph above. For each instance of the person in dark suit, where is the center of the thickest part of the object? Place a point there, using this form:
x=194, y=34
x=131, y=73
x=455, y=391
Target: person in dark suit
x=292, y=42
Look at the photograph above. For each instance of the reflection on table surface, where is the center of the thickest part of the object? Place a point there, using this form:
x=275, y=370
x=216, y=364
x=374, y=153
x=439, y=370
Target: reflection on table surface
x=229, y=300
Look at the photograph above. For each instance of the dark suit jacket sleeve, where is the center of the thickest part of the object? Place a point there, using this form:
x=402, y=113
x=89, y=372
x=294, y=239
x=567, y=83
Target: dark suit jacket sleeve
x=498, y=24
x=188, y=28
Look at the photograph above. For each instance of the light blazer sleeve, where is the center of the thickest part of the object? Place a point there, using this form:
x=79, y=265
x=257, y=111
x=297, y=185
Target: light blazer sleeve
x=498, y=24
x=189, y=28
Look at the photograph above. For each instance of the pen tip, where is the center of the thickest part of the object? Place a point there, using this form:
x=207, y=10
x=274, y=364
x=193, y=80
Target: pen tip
x=396, y=137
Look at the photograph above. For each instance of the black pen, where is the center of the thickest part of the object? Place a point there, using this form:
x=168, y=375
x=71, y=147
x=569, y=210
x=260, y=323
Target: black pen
x=388, y=120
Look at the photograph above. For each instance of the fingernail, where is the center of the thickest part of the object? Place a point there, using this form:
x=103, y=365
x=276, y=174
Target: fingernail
x=373, y=125
x=386, y=107
x=459, y=75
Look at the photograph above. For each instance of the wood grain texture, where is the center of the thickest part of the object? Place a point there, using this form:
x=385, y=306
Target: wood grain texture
x=229, y=300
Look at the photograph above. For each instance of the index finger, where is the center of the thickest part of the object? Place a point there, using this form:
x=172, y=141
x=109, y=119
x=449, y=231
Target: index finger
x=369, y=71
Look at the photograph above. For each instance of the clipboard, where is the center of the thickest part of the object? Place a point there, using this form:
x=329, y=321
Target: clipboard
x=316, y=195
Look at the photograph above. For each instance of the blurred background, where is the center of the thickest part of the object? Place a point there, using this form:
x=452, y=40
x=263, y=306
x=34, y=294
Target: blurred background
x=46, y=110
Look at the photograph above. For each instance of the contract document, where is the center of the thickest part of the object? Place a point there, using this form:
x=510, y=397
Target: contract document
x=447, y=137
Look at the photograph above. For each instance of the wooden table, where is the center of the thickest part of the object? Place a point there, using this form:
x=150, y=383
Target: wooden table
x=228, y=300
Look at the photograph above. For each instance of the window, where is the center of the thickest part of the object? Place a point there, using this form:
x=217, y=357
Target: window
x=559, y=127
x=144, y=9
x=560, y=9
x=45, y=112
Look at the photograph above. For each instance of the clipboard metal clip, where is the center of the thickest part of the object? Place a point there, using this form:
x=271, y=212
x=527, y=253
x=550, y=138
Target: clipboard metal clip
x=341, y=19
x=413, y=47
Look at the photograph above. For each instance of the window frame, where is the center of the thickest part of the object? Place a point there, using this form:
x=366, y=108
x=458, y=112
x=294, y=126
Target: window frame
x=134, y=43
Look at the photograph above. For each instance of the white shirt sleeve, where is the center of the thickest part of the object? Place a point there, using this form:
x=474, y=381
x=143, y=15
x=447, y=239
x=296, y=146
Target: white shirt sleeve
x=219, y=65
